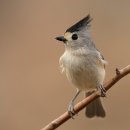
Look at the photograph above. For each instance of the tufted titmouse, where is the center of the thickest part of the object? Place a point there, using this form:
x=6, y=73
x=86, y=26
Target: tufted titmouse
x=84, y=65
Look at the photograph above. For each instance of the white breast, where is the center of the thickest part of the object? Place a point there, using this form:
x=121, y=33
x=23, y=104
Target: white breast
x=84, y=71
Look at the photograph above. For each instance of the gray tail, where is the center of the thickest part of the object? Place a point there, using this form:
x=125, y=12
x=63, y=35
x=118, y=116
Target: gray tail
x=95, y=108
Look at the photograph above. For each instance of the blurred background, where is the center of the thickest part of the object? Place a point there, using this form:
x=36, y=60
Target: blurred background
x=33, y=92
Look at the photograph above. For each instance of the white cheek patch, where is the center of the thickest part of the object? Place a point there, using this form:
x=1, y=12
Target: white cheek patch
x=68, y=36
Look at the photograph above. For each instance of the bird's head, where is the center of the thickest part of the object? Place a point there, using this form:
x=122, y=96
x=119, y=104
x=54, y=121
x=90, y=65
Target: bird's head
x=78, y=34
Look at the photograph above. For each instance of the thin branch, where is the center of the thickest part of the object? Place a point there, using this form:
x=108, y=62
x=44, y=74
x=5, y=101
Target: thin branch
x=82, y=104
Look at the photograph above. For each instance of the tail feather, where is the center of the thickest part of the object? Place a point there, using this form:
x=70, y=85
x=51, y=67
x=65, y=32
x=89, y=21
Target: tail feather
x=95, y=108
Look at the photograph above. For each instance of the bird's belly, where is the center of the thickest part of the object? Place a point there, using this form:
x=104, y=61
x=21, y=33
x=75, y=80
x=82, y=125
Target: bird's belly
x=85, y=72
x=85, y=78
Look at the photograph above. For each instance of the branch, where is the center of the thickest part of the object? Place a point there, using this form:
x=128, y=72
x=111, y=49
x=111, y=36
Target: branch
x=82, y=104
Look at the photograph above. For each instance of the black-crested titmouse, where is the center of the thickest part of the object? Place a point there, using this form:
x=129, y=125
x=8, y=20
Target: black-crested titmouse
x=83, y=64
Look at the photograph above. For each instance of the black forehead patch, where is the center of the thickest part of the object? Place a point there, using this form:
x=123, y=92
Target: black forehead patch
x=79, y=25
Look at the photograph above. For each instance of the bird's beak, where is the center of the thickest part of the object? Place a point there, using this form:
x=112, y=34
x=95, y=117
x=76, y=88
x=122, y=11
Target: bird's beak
x=61, y=38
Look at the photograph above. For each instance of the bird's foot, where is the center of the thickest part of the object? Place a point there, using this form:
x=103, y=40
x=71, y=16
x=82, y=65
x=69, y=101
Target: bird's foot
x=102, y=91
x=71, y=111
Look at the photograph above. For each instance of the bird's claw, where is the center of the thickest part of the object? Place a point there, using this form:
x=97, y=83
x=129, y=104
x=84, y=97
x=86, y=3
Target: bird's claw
x=71, y=111
x=102, y=91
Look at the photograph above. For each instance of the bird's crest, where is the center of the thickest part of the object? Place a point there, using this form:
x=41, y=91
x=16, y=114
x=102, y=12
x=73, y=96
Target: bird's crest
x=80, y=25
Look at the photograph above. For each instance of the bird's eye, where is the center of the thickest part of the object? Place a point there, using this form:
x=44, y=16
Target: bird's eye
x=74, y=36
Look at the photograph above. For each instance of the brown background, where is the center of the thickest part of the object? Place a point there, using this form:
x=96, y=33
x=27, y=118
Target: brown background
x=33, y=92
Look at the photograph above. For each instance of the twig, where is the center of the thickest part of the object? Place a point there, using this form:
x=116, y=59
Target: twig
x=82, y=104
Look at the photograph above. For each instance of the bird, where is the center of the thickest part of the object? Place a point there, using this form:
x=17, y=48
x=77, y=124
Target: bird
x=83, y=65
